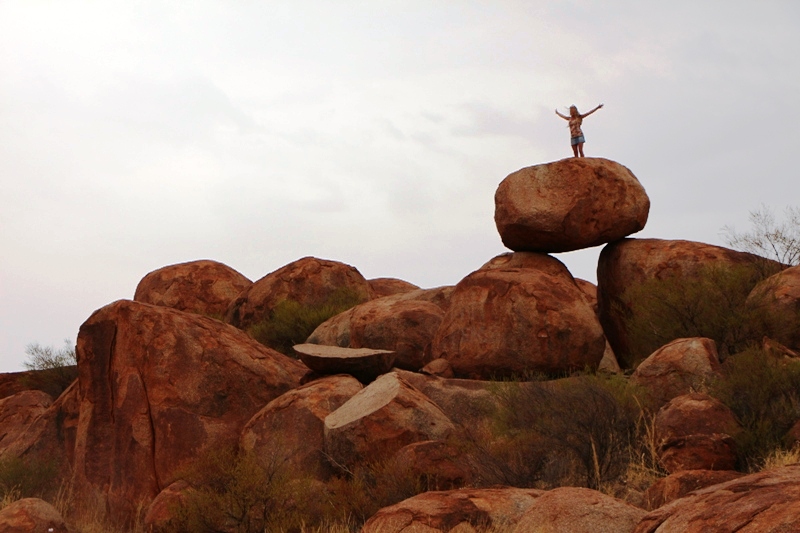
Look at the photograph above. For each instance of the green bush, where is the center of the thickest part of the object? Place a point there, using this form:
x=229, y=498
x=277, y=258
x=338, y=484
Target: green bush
x=291, y=323
x=27, y=478
x=709, y=304
x=580, y=427
x=764, y=394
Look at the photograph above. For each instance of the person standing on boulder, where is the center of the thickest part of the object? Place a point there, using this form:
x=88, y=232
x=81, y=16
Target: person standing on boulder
x=575, y=120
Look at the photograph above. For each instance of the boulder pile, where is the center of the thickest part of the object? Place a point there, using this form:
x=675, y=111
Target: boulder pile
x=406, y=386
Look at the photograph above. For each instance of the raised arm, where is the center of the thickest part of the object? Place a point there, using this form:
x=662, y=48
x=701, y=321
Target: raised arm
x=562, y=116
x=592, y=111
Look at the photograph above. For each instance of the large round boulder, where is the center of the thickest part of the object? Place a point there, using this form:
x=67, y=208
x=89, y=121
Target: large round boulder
x=568, y=205
x=401, y=325
x=160, y=387
x=519, y=314
x=309, y=281
x=777, y=301
x=454, y=510
x=578, y=510
x=695, y=432
x=631, y=270
x=765, y=502
x=290, y=429
x=680, y=367
x=203, y=287
x=380, y=419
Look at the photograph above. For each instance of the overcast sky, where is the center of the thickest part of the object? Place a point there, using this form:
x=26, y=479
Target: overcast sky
x=135, y=135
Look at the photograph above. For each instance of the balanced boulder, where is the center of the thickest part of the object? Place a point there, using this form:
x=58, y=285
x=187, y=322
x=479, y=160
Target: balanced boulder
x=519, y=314
x=203, y=287
x=365, y=364
x=160, y=387
x=568, y=205
x=308, y=281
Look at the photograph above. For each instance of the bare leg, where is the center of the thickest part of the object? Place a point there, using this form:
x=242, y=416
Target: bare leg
x=580, y=149
x=575, y=150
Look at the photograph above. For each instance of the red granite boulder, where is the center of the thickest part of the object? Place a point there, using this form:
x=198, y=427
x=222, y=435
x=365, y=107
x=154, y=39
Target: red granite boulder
x=388, y=286
x=203, y=287
x=681, y=483
x=160, y=387
x=31, y=515
x=308, y=281
x=517, y=315
x=568, y=205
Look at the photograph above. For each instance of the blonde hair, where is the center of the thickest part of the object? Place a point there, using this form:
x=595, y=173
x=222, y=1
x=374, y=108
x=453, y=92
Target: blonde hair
x=573, y=111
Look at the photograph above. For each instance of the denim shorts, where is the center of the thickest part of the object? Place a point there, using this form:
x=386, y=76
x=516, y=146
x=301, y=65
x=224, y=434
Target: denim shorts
x=577, y=140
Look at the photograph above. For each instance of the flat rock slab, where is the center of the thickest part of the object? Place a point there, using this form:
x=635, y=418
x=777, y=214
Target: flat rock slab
x=364, y=364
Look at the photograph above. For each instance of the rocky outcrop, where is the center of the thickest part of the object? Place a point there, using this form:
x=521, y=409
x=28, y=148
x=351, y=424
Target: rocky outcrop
x=520, y=314
x=388, y=286
x=681, y=483
x=308, y=281
x=365, y=364
x=158, y=388
x=203, y=287
x=568, y=205
x=465, y=509
x=766, y=502
x=290, y=429
x=695, y=432
x=404, y=326
x=624, y=266
x=578, y=510
x=680, y=367
x=31, y=515
x=382, y=418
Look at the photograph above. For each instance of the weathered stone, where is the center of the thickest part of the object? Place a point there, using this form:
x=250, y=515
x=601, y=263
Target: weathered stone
x=388, y=286
x=17, y=413
x=31, y=515
x=578, y=510
x=308, y=281
x=531, y=317
x=290, y=429
x=438, y=367
x=681, y=483
x=778, y=300
x=625, y=265
x=159, y=388
x=163, y=511
x=406, y=327
x=695, y=432
x=365, y=364
x=203, y=287
x=680, y=367
x=765, y=502
x=568, y=205
x=444, y=511
x=382, y=418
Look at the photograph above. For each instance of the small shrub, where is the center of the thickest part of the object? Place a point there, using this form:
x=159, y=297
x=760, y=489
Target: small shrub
x=52, y=370
x=583, y=427
x=709, y=304
x=28, y=478
x=764, y=394
x=291, y=323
